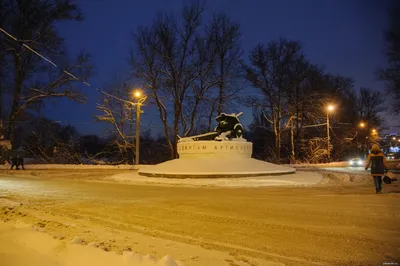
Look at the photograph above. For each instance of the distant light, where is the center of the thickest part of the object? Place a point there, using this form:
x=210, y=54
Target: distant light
x=374, y=131
x=137, y=94
x=362, y=124
x=394, y=138
x=331, y=108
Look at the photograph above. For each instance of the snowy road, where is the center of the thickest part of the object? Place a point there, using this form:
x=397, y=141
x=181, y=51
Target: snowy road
x=215, y=226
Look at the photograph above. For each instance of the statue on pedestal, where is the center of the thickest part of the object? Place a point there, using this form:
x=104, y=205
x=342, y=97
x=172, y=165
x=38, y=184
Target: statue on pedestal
x=228, y=128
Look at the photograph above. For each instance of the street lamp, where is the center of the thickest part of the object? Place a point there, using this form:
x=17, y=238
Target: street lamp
x=140, y=100
x=362, y=126
x=330, y=109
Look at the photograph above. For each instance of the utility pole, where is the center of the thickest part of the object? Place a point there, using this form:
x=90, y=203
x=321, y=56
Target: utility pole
x=329, y=139
x=137, y=144
x=140, y=100
x=329, y=109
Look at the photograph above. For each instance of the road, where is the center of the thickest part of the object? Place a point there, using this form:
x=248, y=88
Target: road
x=342, y=225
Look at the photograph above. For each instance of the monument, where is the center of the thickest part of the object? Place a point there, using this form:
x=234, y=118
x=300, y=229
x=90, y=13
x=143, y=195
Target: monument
x=218, y=154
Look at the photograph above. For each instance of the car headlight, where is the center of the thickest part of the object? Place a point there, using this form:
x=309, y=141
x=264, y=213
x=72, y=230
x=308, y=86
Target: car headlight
x=360, y=162
x=350, y=162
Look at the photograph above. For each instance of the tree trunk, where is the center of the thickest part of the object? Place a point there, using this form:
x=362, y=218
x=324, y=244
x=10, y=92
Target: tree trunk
x=278, y=146
x=177, y=114
x=221, y=87
x=277, y=132
x=293, y=155
x=17, y=93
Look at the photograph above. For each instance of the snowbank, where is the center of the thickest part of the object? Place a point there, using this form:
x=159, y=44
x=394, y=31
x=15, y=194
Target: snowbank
x=297, y=179
x=319, y=165
x=74, y=167
x=21, y=244
x=337, y=178
x=212, y=167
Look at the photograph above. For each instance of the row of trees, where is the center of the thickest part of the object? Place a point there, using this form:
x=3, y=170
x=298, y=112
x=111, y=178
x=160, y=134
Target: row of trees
x=192, y=69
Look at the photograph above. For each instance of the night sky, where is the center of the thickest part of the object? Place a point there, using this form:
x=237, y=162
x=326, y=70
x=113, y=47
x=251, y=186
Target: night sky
x=346, y=36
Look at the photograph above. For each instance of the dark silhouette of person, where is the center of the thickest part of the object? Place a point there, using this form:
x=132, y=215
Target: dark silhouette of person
x=17, y=161
x=376, y=159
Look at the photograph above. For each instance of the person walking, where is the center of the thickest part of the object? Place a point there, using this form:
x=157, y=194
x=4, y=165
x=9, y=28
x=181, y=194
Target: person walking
x=376, y=159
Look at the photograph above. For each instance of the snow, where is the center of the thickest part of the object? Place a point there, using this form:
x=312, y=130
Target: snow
x=318, y=165
x=195, y=167
x=21, y=245
x=73, y=166
x=298, y=179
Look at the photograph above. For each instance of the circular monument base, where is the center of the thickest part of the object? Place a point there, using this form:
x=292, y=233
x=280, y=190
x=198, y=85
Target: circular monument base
x=212, y=168
x=214, y=159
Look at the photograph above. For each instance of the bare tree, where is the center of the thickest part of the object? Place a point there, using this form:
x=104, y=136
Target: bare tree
x=32, y=22
x=119, y=115
x=369, y=105
x=195, y=104
x=304, y=100
x=190, y=69
x=268, y=72
x=225, y=36
x=392, y=73
x=315, y=150
x=170, y=59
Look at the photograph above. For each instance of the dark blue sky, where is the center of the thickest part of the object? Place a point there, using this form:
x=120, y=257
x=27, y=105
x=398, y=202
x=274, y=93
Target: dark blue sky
x=344, y=35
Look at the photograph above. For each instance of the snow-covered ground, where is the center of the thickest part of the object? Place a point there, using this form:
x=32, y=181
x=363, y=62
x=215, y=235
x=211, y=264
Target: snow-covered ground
x=305, y=176
x=25, y=245
x=318, y=165
x=72, y=166
x=297, y=179
x=54, y=219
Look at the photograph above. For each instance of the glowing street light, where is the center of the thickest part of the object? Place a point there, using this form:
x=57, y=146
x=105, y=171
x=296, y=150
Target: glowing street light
x=374, y=131
x=137, y=94
x=362, y=124
x=394, y=138
x=140, y=99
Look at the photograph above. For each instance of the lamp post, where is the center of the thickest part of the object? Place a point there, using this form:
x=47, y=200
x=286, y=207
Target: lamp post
x=329, y=109
x=362, y=126
x=374, y=136
x=140, y=99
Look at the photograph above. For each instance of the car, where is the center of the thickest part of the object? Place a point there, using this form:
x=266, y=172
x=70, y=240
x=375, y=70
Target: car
x=356, y=162
x=393, y=156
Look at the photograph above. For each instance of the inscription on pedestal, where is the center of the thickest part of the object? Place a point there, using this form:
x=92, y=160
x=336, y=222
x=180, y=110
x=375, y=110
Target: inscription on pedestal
x=208, y=148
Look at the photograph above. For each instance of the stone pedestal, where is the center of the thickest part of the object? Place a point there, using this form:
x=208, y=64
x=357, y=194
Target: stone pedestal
x=215, y=149
x=214, y=159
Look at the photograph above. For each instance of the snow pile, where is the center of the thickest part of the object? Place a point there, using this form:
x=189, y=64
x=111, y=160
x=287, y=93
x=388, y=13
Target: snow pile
x=343, y=178
x=298, y=179
x=200, y=167
x=74, y=166
x=20, y=245
x=319, y=165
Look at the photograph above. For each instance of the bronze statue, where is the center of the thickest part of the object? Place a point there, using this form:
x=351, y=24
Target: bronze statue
x=228, y=128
